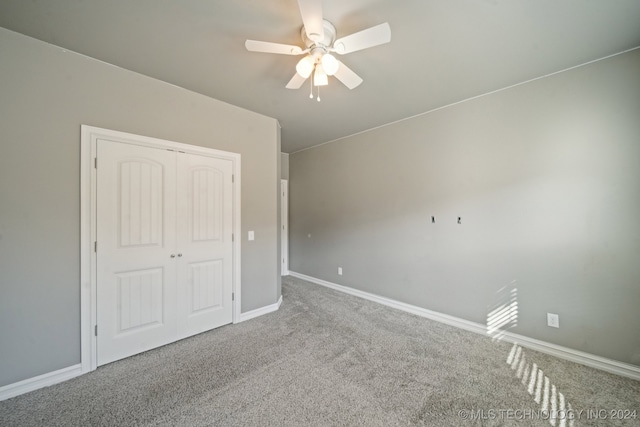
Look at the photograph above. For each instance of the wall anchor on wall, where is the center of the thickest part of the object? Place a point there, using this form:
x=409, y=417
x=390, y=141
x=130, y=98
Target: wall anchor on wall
x=459, y=220
x=433, y=220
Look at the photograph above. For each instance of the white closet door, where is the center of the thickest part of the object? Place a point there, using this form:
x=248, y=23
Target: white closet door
x=136, y=237
x=205, y=247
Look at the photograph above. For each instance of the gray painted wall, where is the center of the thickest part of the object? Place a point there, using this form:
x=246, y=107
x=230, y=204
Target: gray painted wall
x=546, y=179
x=46, y=94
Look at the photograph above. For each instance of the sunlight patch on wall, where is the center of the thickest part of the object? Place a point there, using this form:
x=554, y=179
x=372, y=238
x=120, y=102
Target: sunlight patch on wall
x=503, y=315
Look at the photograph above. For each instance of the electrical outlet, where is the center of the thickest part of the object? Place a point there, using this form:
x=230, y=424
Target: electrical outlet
x=339, y=271
x=553, y=320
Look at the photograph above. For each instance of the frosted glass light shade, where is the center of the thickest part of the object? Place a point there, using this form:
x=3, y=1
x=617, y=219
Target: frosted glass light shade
x=304, y=67
x=330, y=64
x=320, y=77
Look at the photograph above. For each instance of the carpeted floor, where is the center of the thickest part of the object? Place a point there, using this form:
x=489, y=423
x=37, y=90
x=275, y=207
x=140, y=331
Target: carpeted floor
x=330, y=359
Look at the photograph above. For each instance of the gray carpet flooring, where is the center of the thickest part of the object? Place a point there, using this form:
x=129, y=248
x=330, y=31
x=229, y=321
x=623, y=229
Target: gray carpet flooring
x=330, y=359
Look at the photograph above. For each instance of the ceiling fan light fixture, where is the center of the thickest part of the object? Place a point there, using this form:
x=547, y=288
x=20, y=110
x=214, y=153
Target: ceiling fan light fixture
x=330, y=64
x=319, y=37
x=320, y=77
x=304, y=67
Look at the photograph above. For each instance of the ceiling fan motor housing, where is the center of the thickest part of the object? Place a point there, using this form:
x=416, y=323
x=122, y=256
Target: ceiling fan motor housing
x=325, y=43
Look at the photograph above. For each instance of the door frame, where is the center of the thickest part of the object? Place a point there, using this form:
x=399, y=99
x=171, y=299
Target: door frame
x=88, y=226
x=284, y=233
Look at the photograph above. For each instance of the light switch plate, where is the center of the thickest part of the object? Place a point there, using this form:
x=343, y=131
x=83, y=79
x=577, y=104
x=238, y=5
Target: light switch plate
x=553, y=320
x=252, y=235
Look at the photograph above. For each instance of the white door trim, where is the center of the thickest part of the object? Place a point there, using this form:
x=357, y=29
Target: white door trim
x=284, y=233
x=88, y=225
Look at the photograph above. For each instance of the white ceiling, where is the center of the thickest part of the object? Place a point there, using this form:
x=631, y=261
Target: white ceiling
x=441, y=51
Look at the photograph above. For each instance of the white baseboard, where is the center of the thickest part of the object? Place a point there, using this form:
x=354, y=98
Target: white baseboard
x=51, y=378
x=44, y=380
x=260, y=311
x=587, y=359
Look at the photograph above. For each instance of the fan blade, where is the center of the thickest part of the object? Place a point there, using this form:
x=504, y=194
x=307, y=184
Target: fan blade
x=347, y=76
x=311, y=12
x=268, y=47
x=296, y=82
x=364, y=39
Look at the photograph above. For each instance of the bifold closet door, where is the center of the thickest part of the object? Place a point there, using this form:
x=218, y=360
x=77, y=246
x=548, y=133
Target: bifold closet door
x=165, y=251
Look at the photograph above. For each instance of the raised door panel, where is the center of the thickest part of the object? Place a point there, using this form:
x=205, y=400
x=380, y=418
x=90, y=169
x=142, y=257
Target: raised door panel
x=205, y=204
x=139, y=296
x=136, y=273
x=206, y=290
x=140, y=202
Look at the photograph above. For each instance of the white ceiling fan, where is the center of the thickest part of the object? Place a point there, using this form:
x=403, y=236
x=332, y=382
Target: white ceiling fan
x=319, y=37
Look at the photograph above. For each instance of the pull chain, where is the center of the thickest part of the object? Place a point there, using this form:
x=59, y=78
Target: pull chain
x=311, y=88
